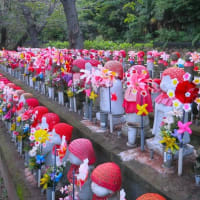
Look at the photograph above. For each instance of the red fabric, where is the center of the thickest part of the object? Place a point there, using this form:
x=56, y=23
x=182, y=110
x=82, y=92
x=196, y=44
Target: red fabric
x=94, y=197
x=64, y=129
x=80, y=63
x=32, y=102
x=107, y=175
x=151, y=196
x=70, y=173
x=186, y=92
x=174, y=72
x=51, y=119
x=164, y=99
x=188, y=64
x=83, y=149
x=39, y=111
x=115, y=66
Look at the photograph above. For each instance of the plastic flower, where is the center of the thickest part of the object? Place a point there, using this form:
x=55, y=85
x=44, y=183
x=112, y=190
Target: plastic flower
x=196, y=80
x=186, y=76
x=41, y=136
x=70, y=93
x=34, y=79
x=170, y=143
x=197, y=100
x=93, y=96
x=113, y=97
x=44, y=181
x=184, y=127
x=83, y=173
x=195, y=57
x=144, y=93
x=171, y=93
x=187, y=107
x=142, y=109
x=177, y=135
x=19, y=119
x=186, y=92
x=122, y=195
x=175, y=81
x=176, y=104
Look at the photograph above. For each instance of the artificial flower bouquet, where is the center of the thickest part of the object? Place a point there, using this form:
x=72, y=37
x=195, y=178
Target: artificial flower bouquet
x=51, y=176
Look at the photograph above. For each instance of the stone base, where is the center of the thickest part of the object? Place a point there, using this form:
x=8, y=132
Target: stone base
x=116, y=119
x=153, y=143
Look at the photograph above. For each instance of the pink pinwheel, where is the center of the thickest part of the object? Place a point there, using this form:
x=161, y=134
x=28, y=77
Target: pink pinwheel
x=138, y=81
x=184, y=127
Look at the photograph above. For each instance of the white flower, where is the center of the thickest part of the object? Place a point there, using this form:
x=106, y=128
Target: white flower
x=176, y=104
x=122, y=194
x=83, y=170
x=186, y=76
x=33, y=152
x=170, y=93
x=187, y=107
x=175, y=82
x=196, y=80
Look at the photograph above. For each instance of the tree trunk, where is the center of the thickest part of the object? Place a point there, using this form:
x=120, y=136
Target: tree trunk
x=74, y=33
x=21, y=41
x=3, y=37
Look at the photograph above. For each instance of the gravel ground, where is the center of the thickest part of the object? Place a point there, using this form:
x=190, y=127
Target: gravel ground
x=3, y=191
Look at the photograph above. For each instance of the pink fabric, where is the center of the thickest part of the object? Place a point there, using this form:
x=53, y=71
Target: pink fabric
x=130, y=107
x=164, y=99
x=188, y=64
x=173, y=62
x=150, y=60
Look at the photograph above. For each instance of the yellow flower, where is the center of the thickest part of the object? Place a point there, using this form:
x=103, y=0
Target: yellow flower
x=196, y=80
x=170, y=93
x=41, y=136
x=44, y=181
x=93, y=96
x=13, y=127
x=176, y=104
x=70, y=93
x=144, y=72
x=19, y=138
x=114, y=73
x=134, y=91
x=19, y=119
x=197, y=100
x=22, y=56
x=34, y=79
x=175, y=81
x=1, y=111
x=105, y=71
x=170, y=143
x=142, y=109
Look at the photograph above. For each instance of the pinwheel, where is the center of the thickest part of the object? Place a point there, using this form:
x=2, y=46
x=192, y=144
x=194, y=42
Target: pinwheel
x=184, y=127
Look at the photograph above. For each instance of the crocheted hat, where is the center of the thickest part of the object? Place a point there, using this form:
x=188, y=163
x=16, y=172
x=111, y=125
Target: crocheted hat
x=39, y=111
x=11, y=85
x=83, y=149
x=51, y=119
x=139, y=69
x=19, y=92
x=174, y=72
x=115, y=66
x=64, y=129
x=32, y=102
x=107, y=175
x=151, y=196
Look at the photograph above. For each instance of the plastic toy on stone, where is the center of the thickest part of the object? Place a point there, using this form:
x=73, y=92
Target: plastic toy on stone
x=164, y=103
x=49, y=120
x=59, y=130
x=133, y=96
x=106, y=182
x=79, y=150
x=38, y=112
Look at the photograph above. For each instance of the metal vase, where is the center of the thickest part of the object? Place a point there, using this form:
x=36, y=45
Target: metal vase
x=167, y=158
x=49, y=193
x=103, y=120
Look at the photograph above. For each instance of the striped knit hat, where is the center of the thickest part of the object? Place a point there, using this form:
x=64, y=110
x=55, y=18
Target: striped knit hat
x=107, y=175
x=83, y=149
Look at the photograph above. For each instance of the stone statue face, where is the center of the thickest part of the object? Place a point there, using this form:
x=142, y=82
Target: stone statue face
x=54, y=137
x=166, y=84
x=44, y=124
x=74, y=160
x=100, y=191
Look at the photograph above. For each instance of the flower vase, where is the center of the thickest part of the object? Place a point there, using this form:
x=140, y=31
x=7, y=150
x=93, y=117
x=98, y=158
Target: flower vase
x=9, y=128
x=30, y=81
x=38, y=177
x=90, y=110
x=43, y=88
x=9, y=71
x=86, y=110
x=168, y=159
x=132, y=134
x=74, y=103
x=61, y=97
x=20, y=145
x=26, y=159
x=103, y=120
x=197, y=179
x=49, y=193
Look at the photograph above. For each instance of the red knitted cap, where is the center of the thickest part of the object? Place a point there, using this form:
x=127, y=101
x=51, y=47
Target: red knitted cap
x=19, y=92
x=32, y=102
x=64, y=129
x=151, y=196
x=11, y=85
x=83, y=149
x=39, y=111
x=139, y=69
x=107, y=175
x=174, y=72
x=115, y=66
x=51, y=119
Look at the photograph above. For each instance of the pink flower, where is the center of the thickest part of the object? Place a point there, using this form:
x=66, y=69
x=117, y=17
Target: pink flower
x=184, y=127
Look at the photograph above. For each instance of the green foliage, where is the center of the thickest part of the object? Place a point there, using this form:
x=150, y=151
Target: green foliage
x=57, y=44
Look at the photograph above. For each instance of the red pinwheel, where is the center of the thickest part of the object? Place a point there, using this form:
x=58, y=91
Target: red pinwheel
x=186, y=92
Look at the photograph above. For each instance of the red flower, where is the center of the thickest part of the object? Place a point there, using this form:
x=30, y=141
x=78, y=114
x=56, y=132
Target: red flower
x=196, y=68
x=113, y=97
x=186, y=92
